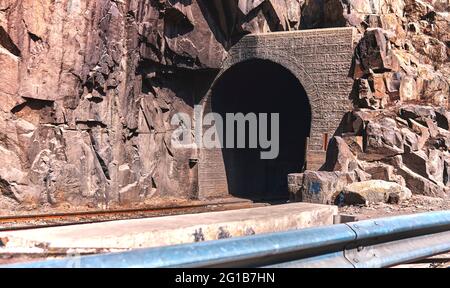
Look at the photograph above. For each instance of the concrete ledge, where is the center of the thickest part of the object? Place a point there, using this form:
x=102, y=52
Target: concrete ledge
x=162, y=231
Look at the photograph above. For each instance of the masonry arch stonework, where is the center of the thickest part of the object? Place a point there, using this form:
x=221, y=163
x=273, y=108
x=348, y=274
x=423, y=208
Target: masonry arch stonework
x=321, y=60
x=288, y=62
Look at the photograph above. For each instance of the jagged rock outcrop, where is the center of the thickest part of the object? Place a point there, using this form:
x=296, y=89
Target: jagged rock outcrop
x=402, y=144
x=399, y=127
x=91, y=86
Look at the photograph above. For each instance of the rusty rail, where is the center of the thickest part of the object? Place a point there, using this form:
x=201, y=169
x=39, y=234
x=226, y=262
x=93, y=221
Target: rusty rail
x=86, y=217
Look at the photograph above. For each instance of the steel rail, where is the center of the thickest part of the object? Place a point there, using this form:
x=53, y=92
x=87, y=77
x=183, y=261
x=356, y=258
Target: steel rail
x=106, y=212
x=380, y=242
x=88, y=217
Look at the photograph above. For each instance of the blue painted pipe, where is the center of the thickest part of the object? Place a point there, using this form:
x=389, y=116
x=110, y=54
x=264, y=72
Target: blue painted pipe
x=312, y=244
x=212, y=252
x=401, y=224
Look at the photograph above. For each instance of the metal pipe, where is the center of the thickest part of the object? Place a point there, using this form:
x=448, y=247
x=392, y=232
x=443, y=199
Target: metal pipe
x=402, y=251
x=332, y=260
x=417, y=223
x=378, y=256
x=251, y=249
x=370, y=243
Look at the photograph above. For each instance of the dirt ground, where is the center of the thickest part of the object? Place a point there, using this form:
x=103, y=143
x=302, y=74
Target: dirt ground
x=417, y=204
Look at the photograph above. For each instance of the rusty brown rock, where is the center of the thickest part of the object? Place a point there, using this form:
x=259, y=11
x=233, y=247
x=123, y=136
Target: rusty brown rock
x=372, y=51
x=382, y=171
x=340, y=157
x=91, y=87
x=383, y=139
x=417, y=183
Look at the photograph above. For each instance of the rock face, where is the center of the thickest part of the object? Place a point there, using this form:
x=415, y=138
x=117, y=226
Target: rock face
x=401, y=100
x=320, y=187
x=395, y=148
x=88, y=88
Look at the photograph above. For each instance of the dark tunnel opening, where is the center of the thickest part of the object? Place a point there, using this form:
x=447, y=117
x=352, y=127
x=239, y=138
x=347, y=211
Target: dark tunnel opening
x=261, y=86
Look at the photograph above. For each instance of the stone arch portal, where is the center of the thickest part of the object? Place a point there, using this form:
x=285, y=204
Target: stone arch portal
x=319, y=62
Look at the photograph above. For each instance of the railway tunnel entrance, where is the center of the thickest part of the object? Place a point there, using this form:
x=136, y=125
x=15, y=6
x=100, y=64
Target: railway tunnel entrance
x=256, y=88
x=303, y=76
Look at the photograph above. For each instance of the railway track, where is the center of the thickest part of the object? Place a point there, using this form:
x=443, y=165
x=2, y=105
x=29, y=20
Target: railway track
x=21, y=222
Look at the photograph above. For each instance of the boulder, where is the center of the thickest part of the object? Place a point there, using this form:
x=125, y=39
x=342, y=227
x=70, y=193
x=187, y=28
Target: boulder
x=430, y=166
x=382, y=139
x=417, y=162
x=373, y=191
x=418, y=184
x=382, y=171
x=354, y=143
x=422, y=186
x=130, y=194
x=340, y=157
x=361, y=118
x=360, y=175
x=417, y=113
x=323, y=187
x=373, y=54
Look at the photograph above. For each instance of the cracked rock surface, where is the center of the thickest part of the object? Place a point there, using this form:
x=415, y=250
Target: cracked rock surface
x=398, y=130
x=88, y=88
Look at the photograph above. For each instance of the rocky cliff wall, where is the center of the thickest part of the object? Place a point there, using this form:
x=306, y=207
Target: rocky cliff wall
x=399, y=128
x=88, y=86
